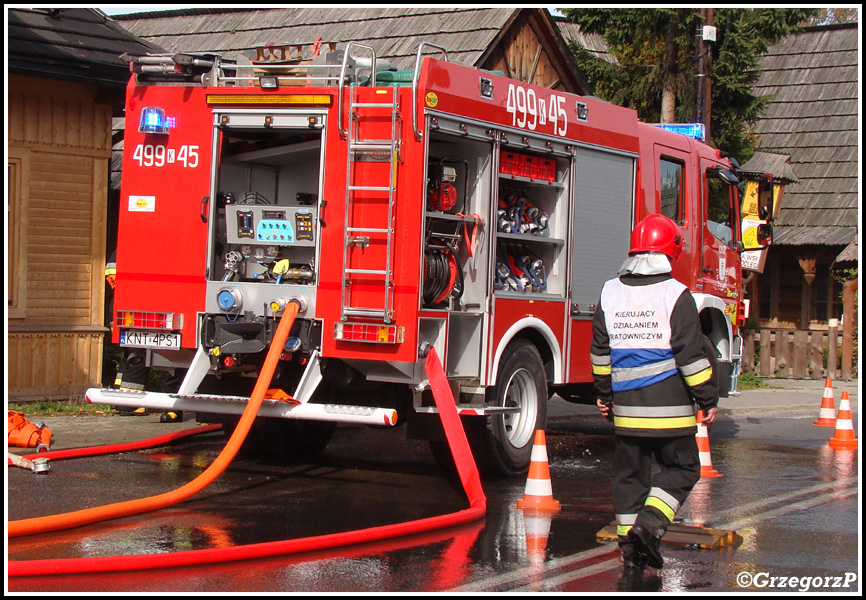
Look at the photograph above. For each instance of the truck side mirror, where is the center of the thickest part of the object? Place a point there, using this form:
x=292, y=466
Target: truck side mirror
x=765, y=234
x=724, y=175
x=765, y=200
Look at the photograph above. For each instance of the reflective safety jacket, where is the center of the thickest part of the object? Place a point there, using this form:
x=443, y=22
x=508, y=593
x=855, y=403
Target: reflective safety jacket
x=648, y=356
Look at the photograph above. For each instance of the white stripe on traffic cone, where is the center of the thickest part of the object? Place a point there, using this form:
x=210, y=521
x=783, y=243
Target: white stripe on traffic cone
x=703, y=440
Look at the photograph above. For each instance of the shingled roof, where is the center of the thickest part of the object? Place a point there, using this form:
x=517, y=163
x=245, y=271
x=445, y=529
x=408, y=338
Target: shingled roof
x=469, y=34
x=77, y=44
x=592, y=42
x=813, y=117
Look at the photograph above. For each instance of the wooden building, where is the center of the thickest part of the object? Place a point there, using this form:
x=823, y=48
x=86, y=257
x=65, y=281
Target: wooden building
x=813, y=118
x=65, y=78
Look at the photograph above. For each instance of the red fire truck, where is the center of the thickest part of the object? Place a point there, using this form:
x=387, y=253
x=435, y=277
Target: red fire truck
x=440, y=207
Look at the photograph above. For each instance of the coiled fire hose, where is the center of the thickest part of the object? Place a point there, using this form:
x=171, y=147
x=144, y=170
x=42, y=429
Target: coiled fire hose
x=463, y=459
x=441, y=274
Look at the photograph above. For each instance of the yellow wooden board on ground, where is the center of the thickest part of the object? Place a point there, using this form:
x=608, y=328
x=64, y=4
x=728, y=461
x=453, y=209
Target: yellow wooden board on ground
x=684, y=535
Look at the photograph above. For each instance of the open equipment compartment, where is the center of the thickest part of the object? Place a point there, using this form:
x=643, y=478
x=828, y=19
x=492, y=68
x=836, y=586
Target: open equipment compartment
x=532, y=220
x=267, y=192
x=455, y=237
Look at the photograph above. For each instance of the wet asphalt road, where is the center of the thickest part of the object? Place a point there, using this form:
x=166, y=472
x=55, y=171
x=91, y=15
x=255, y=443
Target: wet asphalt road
x=793, y=499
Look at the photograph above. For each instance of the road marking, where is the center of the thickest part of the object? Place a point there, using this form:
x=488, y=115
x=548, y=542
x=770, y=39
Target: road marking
x=839, y=492
x=778, y=499
x=511, y=577
x=544, y=577
x=550, y=582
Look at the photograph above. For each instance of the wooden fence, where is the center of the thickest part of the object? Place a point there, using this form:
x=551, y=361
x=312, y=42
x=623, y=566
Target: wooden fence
x=795, y=354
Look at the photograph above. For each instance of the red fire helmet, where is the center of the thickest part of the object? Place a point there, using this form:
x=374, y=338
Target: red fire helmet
x=657, y=233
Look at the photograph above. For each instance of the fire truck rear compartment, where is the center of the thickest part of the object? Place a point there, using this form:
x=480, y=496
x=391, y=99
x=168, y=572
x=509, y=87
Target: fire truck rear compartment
x=267, y=190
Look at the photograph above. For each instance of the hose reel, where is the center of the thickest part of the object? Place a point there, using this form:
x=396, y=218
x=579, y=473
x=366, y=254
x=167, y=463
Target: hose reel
x=442, y=273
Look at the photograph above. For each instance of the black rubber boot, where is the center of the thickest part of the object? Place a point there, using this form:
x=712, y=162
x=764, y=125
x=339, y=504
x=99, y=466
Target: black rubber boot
x=646, y=545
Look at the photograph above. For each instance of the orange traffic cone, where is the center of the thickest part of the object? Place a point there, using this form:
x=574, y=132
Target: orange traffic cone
x=539, y=493
x=703, y=440
x=844, y=438
x=827, y=415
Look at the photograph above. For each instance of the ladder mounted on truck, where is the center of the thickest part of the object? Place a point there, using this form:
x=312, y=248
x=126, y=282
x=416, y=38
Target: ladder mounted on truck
x=367, y=185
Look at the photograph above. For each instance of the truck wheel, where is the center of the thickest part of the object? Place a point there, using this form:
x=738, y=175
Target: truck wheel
x=251, y=443
x=713, y=356
x=289, y=439
x=522, y=384
x=282, y=438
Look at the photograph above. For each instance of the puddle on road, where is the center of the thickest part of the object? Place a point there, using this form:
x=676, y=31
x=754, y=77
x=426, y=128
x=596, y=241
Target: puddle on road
x=580, y=467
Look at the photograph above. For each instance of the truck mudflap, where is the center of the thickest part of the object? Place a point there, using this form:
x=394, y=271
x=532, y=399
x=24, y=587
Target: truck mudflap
x=235, y=405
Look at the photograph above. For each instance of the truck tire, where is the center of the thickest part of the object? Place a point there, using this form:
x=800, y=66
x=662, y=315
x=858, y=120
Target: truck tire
x=522, y=383
x=283, y=439
x=291, y=439
x=713, y=356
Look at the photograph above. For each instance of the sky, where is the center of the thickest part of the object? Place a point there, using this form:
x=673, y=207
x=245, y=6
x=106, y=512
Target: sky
x=121, y=10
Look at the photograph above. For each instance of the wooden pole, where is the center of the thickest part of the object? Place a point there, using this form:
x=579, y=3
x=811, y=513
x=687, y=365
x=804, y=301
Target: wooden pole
x=832, y=347
x=849, y=289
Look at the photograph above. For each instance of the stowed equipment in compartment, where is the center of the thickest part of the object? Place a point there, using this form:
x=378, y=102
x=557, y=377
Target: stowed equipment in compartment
x=442, y=193
x=519, y=269
x=517, y=213
x=267, y=207
x=446, y=194
x=531, y=222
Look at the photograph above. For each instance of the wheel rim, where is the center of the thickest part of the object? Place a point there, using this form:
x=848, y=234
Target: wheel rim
x=520, y=393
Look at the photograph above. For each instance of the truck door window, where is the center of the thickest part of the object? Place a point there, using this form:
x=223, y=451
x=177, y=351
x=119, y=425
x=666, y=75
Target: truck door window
x=719, y=207
x=672, y=189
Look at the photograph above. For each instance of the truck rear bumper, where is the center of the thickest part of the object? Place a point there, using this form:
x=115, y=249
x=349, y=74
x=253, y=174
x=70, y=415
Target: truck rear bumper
x=235, y=405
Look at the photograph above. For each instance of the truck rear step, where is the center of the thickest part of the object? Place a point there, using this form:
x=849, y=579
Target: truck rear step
x=338, y=413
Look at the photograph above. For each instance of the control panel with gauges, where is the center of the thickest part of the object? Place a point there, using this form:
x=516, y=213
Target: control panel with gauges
x=277, y=225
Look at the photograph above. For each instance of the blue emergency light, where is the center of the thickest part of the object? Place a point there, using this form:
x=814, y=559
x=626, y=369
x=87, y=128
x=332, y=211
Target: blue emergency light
x=692, y=130
x=153, y=121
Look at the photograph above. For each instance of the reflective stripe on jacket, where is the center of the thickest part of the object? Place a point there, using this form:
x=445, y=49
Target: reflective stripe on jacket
x=647, y=356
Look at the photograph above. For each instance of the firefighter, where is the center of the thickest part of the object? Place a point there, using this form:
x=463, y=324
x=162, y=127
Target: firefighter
x=649, y=370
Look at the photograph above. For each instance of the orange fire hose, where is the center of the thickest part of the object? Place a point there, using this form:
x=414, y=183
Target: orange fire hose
x=160, y=440
x=151, y=503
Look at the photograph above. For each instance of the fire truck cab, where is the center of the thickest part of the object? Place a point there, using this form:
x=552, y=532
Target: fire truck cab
x=440, y=207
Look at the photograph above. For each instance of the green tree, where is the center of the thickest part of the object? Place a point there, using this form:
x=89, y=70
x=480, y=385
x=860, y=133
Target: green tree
x=834, y=16
x=654, y=68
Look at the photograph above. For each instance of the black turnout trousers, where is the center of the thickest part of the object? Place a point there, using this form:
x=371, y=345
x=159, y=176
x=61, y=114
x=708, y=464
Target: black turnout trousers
x=641, y=498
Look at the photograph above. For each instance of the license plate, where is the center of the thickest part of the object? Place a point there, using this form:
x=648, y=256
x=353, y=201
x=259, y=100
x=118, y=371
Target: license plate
x=150, y=339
